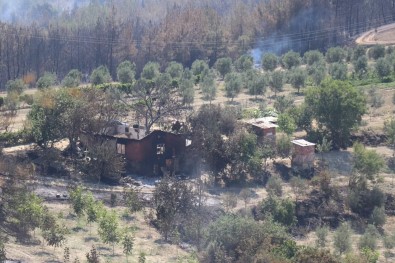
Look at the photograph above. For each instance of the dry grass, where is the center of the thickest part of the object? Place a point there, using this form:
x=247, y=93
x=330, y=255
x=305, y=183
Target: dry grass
x=82, y=237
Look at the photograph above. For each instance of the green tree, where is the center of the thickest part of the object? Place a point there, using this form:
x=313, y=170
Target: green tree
x=108, y=228
x=369, y=238
x=359, y=51
x=256, y=84
x=132, y=200
x=78, y=200
x=269, y=61
x=198, y=68
x=378, y=217
x=93, y=208
x=342, y=238
x=47, y=80
x=367, y=162
x=298, y=78
x=244, y=63
x=175, y=70
x=282, y=210
x=56, y=235
x=286, y=123
x=15, y=86
x=100, y=75
x=126, y=72
x=277, y=81
x=338, y=71
x=317, y=72
x=151, y=71
x=312, y=57
x=291, y=59
x=223, y=66
x=383, y=68
x=72, y=79
x=30, y=212
x=208, y=86
x=283, y=104
x=376, y=52
x=233, y=85
x=127, y=243
x=337, y=106
x=173, y=200
x=361, y=66
x=335, y=55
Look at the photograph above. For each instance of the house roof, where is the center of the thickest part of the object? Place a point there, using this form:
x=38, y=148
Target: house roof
x=303, y=143
x=264, y=123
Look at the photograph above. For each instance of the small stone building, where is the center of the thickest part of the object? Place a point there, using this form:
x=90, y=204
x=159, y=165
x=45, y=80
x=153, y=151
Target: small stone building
x=303, y=154
x=264, y=128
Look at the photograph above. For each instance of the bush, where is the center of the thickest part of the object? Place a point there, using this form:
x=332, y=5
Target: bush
x=342, y=238
x=72, y=79
x=313, y=255
x=47, y=80
x=359, y=51
x=269, y=61
x=126, y=72
x=291, y=59
x=383, y=68
x=281, y=210
x=274, y=186
x=321, y=233
x=15, y=86
x=369, y=238
x=312, y=57
x=378, y=217
x=335, y=55
x=338, y=71
x=283, y=146
x=363, y=201
x=100, y=75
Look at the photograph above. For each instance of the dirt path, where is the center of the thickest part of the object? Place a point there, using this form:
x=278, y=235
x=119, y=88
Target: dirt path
x=384, y=35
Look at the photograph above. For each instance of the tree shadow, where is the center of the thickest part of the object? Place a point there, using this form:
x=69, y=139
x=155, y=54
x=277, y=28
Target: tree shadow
x=88, y=239
x=102, y=248
x=283, y=170
x=79, y=229
x=232, y=103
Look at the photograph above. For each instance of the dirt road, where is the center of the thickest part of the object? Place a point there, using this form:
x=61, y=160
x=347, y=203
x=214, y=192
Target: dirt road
x=384, y=35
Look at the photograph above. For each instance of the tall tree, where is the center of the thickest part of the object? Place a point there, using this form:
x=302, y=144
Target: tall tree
x=338, y=107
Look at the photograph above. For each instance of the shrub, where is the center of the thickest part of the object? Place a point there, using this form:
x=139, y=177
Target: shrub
x=335, y=55
x=274, y=186
x=342, y=238
x=321, y=233
x=72, y=79
x=369, y=238
x=47, y=80
x=126, y=72
x=269, y=61
x=100, y=75
x=312, y=57
x=15, y=86
x=283, y=146
x=281, y=210
x=378, y=217
x=338, y=71
x=291, y=59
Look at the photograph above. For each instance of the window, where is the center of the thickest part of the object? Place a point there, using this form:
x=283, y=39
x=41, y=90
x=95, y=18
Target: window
x=160, y=149
x=126, y=129
x=120, y=148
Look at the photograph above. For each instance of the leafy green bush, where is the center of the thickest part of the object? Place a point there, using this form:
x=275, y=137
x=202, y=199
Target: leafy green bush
x=47, y=80
x=342, y=238
x=291, y=59
x=369, y=238
x=281, y=210
x=72, y=79
x=335, y=55
x=100, y=75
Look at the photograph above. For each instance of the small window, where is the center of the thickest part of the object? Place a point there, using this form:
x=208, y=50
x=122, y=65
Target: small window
x=160, y=149
x=126, y=129
x=120, y=148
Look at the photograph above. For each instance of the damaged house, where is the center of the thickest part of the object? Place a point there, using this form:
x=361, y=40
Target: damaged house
x=157, y=153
